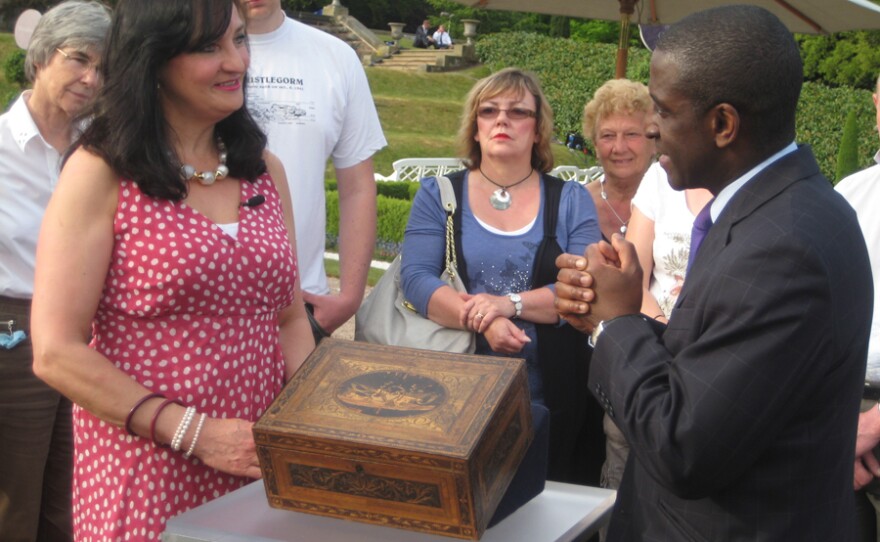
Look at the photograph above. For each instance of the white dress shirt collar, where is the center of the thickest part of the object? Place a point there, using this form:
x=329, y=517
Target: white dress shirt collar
x=724, y=197
x=22, y=123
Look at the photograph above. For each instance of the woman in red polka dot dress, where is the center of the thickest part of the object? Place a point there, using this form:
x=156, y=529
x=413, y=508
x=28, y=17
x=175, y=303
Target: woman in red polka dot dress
x=169, y=243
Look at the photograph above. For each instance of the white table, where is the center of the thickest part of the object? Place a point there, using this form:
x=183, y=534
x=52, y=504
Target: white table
x=562, y=513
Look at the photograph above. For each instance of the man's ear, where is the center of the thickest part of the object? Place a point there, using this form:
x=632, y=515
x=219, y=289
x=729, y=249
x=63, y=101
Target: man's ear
x=725, y=121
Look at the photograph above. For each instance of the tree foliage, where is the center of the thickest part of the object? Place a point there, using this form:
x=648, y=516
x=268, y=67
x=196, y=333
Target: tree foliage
x=595, y=31
x=848, y=155
x=842, y=59
x=570, y=72
x=560, y=27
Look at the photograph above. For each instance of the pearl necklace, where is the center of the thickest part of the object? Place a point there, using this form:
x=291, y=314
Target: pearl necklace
x=623, y=223
x=207, y=178
x=500, y=199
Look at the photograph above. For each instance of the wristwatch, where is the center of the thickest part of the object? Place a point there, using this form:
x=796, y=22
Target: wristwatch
x=594, y=336
x=516, y=299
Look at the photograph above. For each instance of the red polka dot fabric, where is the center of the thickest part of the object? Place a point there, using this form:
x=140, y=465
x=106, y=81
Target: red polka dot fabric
x=193, y=313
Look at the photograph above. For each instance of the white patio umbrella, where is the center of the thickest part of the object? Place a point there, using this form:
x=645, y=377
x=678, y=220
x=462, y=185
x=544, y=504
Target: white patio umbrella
x=802, y=16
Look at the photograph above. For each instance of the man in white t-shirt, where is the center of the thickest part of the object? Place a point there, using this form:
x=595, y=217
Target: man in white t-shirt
x=862, y=191
x=309, y=92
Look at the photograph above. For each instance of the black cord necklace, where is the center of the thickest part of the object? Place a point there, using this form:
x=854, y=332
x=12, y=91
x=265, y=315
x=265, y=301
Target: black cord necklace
x=500, y=199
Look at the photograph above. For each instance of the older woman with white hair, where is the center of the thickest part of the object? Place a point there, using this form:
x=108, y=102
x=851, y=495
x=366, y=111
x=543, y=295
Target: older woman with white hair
x=616, y=120
x=36, y=459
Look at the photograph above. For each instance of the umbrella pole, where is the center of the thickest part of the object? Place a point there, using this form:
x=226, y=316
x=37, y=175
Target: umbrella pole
x=627, y=8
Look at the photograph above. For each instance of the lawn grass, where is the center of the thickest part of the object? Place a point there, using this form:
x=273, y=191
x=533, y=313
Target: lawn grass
x=421, y=113
x=332, y=269
x=443, y=86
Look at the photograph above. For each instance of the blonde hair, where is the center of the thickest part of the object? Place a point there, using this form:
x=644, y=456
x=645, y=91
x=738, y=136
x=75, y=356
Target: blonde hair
x=507, y=81
x=613, y=97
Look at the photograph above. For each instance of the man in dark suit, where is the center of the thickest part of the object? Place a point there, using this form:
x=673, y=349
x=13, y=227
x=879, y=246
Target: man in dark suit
x=742, y=412
x=423, y=38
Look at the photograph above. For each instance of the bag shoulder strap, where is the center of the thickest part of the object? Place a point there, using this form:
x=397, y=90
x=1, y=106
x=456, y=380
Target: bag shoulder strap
x=544, y=267
x=457, y=181
x=447, y=194
x=552, y=197
x=448, y=200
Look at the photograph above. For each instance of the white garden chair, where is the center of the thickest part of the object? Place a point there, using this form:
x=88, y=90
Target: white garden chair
x=413, y=169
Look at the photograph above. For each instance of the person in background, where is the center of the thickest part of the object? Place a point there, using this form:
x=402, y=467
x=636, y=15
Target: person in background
x=170, y=241
x=862, y=191
x=423, y=40
x=660, y=230
x=741, y=413
x=309, y=92
x=616, y=120
x=441, y=38
x=505, y=137
x=63, y=63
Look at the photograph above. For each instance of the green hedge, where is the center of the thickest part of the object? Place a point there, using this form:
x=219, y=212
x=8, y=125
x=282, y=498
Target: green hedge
x=570, y=73
x=848, y=154
x=393, y=214
x=404, y=190
x=821, y=116
x=396, y=189
x=332, y=203
x=13, y=72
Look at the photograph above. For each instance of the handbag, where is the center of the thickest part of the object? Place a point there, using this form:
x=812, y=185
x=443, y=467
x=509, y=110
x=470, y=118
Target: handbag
x=385, y=317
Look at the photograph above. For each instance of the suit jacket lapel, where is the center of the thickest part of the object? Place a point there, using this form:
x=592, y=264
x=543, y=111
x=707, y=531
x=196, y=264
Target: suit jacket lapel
x=763, y=187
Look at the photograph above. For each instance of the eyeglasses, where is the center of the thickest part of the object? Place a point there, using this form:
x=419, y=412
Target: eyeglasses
x=80, y=61
x=490, y=112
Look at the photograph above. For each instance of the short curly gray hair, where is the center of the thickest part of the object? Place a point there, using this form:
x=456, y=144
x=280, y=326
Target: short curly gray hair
x=75, y=23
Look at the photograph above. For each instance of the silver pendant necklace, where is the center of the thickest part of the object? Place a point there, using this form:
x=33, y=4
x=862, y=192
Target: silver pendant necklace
x=500, y=199
x=207, y=178
x=623, y=222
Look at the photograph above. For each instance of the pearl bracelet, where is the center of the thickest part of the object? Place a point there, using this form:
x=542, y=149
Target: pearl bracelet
x=177, y=441
x=192, y=445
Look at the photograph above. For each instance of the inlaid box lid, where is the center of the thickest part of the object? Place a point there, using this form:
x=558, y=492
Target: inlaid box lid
x=417, y=400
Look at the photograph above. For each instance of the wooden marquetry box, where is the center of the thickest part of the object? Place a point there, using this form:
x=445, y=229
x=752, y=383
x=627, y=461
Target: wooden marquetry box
x=415, y=439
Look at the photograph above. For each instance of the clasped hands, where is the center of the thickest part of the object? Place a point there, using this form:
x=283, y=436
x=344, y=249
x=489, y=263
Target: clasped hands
x=491, y=315
x=604, y=283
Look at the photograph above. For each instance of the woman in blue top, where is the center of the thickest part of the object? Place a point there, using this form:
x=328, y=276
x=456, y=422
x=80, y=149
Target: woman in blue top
x=503, y=198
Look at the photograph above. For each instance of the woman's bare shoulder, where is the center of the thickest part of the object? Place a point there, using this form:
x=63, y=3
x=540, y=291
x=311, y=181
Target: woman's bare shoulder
x=85, y=162
x=87, y=176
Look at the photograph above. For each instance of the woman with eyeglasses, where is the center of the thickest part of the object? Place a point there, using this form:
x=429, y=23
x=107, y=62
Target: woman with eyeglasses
x=36, y=452
x=170, y=241
x=505, y=138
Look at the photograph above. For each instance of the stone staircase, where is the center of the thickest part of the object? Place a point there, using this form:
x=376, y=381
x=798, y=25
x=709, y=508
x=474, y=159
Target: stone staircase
x=374, y=52
x=428, y=60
